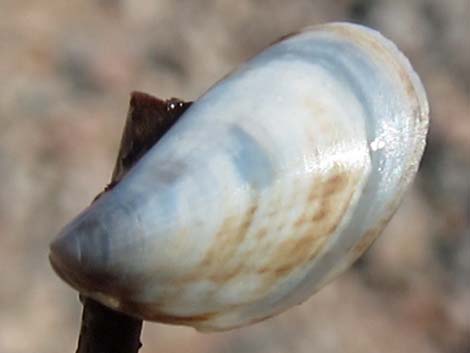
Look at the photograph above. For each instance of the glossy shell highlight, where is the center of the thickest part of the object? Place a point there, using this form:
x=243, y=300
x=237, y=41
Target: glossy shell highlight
x=270, y=185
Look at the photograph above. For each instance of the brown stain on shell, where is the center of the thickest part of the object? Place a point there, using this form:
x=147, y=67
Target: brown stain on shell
x=224, y=261
x=216, y=264
x=372, y=234
x=227, y=242
x=262, y=233
x=365, y=242
x=333, y=198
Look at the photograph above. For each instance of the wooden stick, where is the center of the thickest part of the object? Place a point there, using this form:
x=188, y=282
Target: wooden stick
x=107, y=331
x=104, y=330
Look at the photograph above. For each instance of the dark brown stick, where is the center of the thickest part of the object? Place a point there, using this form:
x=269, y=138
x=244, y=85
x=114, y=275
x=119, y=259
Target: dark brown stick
x=104, y=330
x=107, y=331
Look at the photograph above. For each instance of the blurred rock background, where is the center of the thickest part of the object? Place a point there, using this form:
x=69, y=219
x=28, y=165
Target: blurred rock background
x=66, y=70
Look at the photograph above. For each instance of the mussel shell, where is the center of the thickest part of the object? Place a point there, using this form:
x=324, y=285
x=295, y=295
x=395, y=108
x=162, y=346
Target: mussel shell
x=270, y=185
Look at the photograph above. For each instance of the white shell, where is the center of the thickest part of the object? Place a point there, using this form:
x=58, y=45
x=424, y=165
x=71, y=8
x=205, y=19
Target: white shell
x=270, y=185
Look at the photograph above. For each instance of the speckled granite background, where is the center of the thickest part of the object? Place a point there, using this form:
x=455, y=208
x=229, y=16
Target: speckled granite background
x=66, y=70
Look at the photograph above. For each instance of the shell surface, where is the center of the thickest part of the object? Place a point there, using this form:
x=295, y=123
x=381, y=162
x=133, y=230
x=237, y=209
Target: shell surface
x=270, y=185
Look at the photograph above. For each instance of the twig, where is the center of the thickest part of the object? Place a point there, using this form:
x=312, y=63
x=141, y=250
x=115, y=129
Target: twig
x=104, y=330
